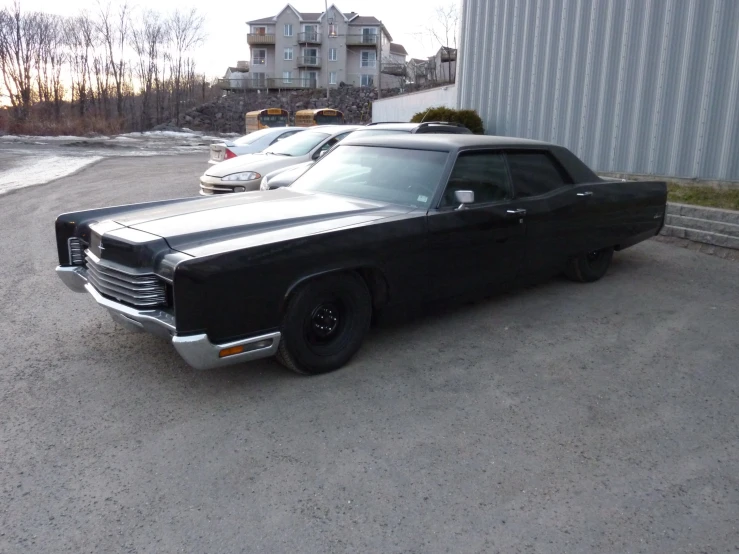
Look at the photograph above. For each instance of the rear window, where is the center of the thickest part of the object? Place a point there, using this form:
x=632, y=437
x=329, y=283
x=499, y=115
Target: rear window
x=252, y=137
x=535, y=173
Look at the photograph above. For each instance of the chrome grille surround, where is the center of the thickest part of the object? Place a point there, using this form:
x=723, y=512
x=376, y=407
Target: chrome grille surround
x=143, y=290
x=76, y=247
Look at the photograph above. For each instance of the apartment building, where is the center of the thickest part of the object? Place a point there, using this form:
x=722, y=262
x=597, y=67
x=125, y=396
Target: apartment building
x=313, y=50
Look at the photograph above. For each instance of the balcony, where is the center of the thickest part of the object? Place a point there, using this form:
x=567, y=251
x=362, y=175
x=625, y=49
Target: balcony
x=362, y=40
x=309, y=37
x=309, y=61
x=396, y=69
x=260, y=39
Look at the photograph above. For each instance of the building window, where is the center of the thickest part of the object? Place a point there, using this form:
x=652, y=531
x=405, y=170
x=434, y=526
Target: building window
x=369, y=35
x=259, y=30
x=287, y=77
x=258, y=57
x=369, y=58
x=288, y=54
x=332, y=78
x=259, y=79
x=332, y=54
x=288, y=29
x=333, y=30
x=367, y=81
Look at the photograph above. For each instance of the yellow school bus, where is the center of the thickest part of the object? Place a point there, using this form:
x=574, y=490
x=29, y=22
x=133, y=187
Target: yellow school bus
x=263, y=119
x=323, y=116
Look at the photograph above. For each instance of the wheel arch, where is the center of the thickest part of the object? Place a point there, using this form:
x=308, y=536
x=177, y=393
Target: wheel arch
x=372, y=276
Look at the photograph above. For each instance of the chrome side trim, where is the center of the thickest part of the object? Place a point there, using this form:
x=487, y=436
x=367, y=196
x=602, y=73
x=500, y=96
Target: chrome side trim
x=200, y=353
x=73, y=276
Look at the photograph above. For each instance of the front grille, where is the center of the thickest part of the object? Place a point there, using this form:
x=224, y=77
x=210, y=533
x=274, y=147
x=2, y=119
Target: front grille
x=140, y=290
x=76, y=251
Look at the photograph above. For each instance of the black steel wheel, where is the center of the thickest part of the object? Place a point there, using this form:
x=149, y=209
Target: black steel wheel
x=324, y=324
x=591, y=266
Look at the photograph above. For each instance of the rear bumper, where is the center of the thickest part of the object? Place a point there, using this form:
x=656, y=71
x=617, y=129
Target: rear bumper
x=197, y=350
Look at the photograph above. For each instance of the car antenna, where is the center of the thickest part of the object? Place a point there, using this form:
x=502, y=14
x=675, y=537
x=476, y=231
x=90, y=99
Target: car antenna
x=424, y=115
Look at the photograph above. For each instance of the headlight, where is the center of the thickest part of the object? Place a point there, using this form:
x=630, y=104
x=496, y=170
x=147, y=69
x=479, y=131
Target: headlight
x=246, y=176
x=263, y=185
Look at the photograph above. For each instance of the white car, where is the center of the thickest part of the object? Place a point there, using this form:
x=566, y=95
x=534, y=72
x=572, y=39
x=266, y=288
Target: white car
x=251, y=143
x=245, y=173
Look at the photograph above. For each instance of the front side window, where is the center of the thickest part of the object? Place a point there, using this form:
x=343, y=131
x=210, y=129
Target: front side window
x=367, y=81
x=393, y=175
x=332, y=78
x=484, y=173
x=332, y=54
x=288, y=29
x=535, y=173
x=369, y=58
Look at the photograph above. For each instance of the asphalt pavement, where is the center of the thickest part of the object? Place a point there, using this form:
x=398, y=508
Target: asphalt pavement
x=557, y=418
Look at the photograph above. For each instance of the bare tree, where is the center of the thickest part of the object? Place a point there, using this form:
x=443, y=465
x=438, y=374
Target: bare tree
x=185, y=33
x=114, y=32
x=19, y=43
x=80, y=34
x=146, y=40
x=443, y=27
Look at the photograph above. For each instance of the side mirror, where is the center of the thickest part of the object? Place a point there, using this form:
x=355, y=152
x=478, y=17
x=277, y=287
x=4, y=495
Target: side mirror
x=464, y=197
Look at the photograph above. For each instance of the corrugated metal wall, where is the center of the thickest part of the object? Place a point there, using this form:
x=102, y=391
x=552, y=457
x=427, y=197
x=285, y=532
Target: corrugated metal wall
x=634, y=86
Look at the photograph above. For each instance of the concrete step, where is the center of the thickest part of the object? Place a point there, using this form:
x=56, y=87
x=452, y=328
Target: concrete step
x=706, y=237
x=712, y=226
x=699, y=212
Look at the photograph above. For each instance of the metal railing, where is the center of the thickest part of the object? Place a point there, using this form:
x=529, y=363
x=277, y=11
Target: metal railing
x=309, y=61
x=293, y=83
x=312, y=37
x=256, y=38
x=362, y=40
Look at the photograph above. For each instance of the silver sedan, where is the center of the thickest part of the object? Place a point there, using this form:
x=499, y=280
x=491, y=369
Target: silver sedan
x=251, y=143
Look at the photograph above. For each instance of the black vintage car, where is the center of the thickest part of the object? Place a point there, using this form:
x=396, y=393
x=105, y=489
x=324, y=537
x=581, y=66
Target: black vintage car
x=379, y=223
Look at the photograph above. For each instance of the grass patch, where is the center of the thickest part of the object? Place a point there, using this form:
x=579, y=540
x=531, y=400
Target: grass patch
x=727, y=199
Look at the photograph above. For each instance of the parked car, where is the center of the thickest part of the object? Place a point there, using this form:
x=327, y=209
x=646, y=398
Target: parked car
x=285, y=176
x=381, y=223
x=245, y=172
x=250, y=144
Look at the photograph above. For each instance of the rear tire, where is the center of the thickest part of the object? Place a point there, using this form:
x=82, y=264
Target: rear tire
x=324, y=324
x=589, y=267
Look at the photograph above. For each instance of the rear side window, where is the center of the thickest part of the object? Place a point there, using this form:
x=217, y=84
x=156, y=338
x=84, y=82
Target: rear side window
x=535, y=173
x=484, y=173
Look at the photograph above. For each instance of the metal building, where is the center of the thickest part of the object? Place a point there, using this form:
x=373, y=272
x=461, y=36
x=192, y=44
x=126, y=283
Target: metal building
x=633, y=86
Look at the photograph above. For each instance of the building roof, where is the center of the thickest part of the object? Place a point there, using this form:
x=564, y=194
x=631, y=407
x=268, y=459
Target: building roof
x=352, y=17
x=238, y=70
x=396, y=48
x=364, y=20
x=417, y=61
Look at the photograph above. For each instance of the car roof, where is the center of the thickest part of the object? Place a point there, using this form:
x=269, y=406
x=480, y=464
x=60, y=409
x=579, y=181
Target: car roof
x=442, y=142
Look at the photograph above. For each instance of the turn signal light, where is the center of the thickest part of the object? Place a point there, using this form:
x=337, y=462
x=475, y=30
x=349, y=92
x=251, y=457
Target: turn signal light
x=230, y=351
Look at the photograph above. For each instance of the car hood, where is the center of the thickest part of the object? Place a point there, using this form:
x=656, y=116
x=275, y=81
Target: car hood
x=260, y=162
x=214, y=224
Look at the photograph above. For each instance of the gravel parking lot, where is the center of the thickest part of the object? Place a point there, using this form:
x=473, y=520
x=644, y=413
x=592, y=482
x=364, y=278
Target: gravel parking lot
x=561, y=418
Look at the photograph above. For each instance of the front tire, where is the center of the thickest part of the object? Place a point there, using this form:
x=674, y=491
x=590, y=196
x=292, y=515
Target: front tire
x=589, y=267
x=324, y=324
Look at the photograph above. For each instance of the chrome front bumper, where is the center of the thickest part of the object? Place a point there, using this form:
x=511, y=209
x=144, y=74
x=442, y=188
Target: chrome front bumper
x=197, y=350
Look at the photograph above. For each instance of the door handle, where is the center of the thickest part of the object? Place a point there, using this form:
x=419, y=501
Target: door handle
x=585, y=194
x=517, y=212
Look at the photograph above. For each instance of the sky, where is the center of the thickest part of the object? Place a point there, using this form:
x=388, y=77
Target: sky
x=226, y=27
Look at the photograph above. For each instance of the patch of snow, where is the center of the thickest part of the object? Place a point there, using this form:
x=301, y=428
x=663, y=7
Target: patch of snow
x=42, y=171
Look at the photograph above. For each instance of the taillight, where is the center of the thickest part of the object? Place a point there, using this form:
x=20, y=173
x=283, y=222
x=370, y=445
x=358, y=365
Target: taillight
x=229, y=154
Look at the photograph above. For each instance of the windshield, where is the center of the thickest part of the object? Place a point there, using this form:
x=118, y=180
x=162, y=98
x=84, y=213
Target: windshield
x=378, y=132
x=252, y=137
x=329, y=119
x=393, y=175
x=299, y=144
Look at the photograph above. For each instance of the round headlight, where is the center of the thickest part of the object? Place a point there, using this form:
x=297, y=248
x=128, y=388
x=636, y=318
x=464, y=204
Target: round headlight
x=245, y=176
x=239, y=189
